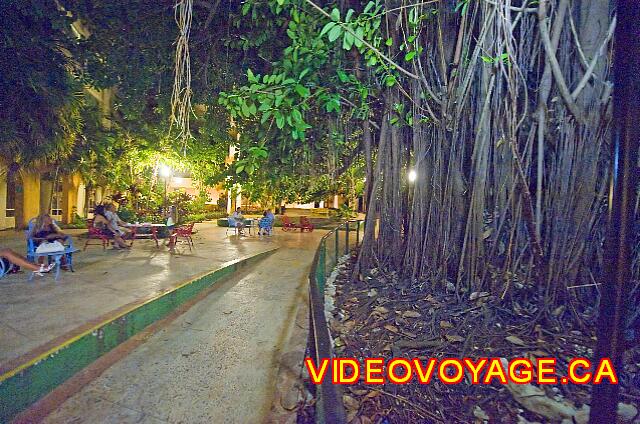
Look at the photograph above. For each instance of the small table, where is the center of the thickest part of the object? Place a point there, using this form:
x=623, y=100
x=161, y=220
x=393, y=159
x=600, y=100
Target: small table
x=250, y=223
x=153, y=234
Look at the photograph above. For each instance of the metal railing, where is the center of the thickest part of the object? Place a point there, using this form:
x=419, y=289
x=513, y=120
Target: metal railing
x=337, y=242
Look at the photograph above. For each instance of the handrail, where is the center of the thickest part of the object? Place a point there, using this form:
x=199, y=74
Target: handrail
x=329, y=406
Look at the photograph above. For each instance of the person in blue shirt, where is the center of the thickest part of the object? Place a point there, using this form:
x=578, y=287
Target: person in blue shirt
x=265, y=224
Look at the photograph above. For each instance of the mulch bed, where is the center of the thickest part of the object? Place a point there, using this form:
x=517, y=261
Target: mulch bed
x=385, y=316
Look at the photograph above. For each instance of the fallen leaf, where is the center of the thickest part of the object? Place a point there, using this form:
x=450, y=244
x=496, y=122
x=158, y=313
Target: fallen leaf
x=478, y=295
x=411, y=314
x=454, y=338
x=409, y=334
x=445, y=324
x=516, y=340
x=479, y=413
x=351, y=405
x=391, y=328
x=380, y=310
x=372, y=394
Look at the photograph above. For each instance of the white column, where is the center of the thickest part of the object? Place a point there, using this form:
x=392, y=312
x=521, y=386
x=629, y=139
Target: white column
x=82, y=197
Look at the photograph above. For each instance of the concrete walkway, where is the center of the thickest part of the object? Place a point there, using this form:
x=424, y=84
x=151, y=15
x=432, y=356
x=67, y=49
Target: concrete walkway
x=35, y=313
x=217, y=363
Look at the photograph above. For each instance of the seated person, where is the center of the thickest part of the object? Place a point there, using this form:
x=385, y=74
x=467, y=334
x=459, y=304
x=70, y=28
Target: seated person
x=22, y=262
x=266, y=223
x=101, y=222
x=237, y=220
x=46, y=230
x=119, y=225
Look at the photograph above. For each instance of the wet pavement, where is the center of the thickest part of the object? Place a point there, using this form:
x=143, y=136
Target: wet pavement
x=33, y=313
x=217, y=362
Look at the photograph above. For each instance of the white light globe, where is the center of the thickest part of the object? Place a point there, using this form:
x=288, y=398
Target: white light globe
x=165, y=171
x=412, y=175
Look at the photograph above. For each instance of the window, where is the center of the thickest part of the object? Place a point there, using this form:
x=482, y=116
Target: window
x=10, y=209
x=56, y=200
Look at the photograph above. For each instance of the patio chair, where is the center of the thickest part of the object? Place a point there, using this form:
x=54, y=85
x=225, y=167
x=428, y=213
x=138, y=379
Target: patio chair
x=95, y=236
x=68, y=252
x=232, y=224
x=305, y=224
x=266, y=224
x=185, y=232
x=5, y=267
x=287, y=224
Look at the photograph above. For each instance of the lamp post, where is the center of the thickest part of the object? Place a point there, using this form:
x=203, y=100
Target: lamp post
x=165, y=172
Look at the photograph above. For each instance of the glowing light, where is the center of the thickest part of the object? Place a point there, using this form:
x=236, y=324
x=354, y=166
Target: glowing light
x=164, y=171
x=412, y=175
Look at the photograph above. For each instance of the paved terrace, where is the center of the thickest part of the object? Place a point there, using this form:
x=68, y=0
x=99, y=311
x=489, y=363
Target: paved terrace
x=34, y=313
x=216, y=363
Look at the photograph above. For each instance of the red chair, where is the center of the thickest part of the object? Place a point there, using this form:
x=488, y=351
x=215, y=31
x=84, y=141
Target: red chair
x=185, y=232
x=305, y=224
x=95, y=234
x=287, y=224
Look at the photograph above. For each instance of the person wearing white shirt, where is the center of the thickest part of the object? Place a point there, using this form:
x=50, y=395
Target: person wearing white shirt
x=115, y=221
x=237, y=220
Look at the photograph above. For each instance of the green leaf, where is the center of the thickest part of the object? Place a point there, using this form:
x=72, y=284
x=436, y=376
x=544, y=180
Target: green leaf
x=410, y=55
x=335, y=15
x=359, y=37
x=347, y=18
x=239, y=169
x=251, y=77
x=244, y=107
x=302, y=90
x=368, y=7
x=335, y=33
x=390, y=80
x=296, y=115
x=326, y=28
x=389, y=42
x=303, y=73
x=347, y=41
x=342, y=76
x=486, y=59
x=280, y=121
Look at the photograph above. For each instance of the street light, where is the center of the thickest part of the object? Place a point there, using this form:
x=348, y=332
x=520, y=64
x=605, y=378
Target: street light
x=412, y=175
x=165, y=172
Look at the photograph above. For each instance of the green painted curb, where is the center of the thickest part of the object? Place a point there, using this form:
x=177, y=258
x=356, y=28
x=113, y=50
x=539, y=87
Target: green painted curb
x=27, y=383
